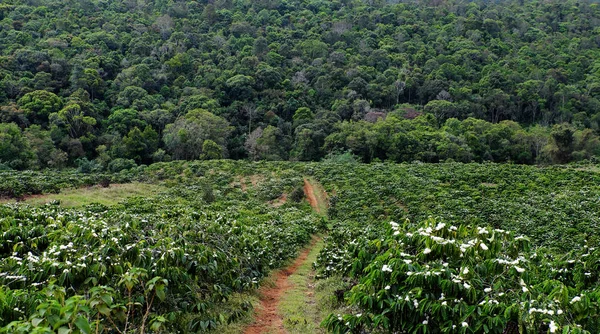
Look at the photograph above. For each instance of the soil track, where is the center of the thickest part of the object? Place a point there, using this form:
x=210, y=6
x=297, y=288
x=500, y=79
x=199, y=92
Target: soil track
x=309, y=191
x=268, y=319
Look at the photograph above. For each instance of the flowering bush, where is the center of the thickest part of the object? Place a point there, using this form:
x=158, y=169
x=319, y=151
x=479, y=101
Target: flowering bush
x=440, y=278
x=166, y=263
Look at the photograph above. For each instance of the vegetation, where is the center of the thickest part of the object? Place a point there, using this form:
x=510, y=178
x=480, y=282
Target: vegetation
x=150, y=81
x=168, y=262
x=111, y=195
x=120, y=115
x=454, y=248
x=301, y=312
x=409, y=247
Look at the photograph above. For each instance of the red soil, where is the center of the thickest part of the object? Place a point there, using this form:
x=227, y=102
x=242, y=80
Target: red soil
x=309, y=191
x=268, y=319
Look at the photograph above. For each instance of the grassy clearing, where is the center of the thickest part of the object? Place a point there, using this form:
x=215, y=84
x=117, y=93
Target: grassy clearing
x=96, y=194
x=299, y=307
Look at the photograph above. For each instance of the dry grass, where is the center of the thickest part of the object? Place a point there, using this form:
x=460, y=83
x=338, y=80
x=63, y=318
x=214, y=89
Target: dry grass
x=96, y=194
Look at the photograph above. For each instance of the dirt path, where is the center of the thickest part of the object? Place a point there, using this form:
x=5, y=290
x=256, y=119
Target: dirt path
x=268, y=317
x=316, y=196
x=309, y=191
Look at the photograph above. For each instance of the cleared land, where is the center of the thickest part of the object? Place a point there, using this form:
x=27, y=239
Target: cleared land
x=111, y=195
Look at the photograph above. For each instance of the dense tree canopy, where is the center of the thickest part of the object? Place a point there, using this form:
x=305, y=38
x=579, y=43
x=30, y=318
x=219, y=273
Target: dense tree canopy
x=398, y=80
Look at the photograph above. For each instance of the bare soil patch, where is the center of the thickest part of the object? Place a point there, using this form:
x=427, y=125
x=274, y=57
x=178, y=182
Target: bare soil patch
x=279, y=201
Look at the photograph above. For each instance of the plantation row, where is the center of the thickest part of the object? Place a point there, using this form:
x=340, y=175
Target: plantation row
x=166, y=263
x=446, y=248
x=546, y=204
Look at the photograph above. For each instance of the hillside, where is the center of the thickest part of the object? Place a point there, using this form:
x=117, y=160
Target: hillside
x=210, y=247
x=104, y=85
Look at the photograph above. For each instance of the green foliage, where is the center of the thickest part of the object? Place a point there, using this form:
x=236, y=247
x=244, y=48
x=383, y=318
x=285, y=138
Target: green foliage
x=39, y=104
x=91, y=81
x=207, y=238
x=120, y=164
x=18, y=184
x=86, y=166
x=185, y=138
x=297, y=195
x=341, y=157
x=164, y=263
x=438, y=278
x=211, y=150
x=140, y=146
x=14, y=148
x=473, y=204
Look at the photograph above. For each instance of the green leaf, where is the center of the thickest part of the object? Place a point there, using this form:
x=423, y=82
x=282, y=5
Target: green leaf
x=103, y=309
x=36, y=321
x=83, y=325
x=107, y=298
x=160, y=293
x=64, y=330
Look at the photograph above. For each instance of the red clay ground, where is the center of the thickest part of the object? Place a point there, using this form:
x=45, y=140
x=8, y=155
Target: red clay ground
x=309, y=191
x=268, y=319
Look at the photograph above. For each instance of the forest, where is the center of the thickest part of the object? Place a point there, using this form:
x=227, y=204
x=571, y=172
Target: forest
x=107, y=85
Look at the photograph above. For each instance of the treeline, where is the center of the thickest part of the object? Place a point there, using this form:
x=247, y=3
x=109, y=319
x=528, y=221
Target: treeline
x=109, y=84
x=401, y=140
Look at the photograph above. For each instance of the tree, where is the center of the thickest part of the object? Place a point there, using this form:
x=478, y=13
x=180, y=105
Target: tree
x=587, y=145
x=135, y=98
x=561, y=143
x=305, y=148
x=73, y=120
x=39, y=104
x=43, y=147
x=314, y=49
x=158, y=118
x=185, y=138
x=539, y=137
x=261, y=47
x=14, y=147
x=529, y=94
x=11, y=113
x=123, y=120
x=240, y=86
x=140, y=146
x=267, y=77
x=441, y=109
x=164, y=24
x=270, y=143
x=252, y=146
x=302, y=115
x=92, y=82
x=211, y=150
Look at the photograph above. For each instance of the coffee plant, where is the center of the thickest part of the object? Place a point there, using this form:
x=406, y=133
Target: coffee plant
x=421, y=248
x=440, y=278
x=154, y=263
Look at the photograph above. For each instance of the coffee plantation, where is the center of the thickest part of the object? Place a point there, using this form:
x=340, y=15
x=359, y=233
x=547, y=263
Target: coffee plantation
x=418, y=248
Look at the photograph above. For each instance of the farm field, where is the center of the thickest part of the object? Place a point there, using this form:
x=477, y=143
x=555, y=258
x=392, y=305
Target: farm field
x=415, y=248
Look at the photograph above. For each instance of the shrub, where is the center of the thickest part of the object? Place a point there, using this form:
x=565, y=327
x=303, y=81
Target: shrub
x=120, y=164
